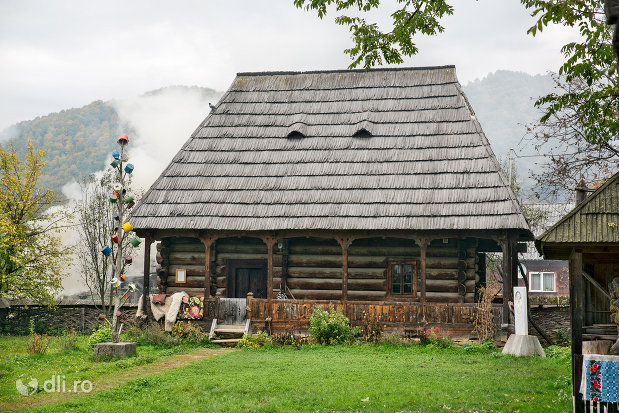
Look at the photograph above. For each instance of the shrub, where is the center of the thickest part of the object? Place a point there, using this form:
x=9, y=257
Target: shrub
x=558, y=352
x=434, y=336
x=393, y=340
x=371, y=330
x=38, y=343
x=331, y=327
x=184, y=331
x=481, y=347
x=289, y=339
x=563, y=336
x=152, y=334
x=68, y=340
x=255, y=341
x=102, y=334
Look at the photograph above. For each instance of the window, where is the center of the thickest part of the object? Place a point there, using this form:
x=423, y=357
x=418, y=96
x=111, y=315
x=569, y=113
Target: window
x=542, y=282
x=402, y=278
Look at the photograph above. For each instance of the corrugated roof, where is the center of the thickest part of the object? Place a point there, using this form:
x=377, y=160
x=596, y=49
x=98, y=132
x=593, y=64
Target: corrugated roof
x=595, y=220
x=427, y=164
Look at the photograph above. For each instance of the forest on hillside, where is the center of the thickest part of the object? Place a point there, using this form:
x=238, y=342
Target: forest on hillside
x=77, y=141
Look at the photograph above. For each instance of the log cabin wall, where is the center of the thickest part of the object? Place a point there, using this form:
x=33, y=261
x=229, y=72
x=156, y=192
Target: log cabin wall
x=181, y=253
x=312, y=267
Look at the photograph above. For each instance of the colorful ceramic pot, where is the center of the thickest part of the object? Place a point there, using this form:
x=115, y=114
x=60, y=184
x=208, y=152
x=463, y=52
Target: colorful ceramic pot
x=106, y=251
x=127, y=227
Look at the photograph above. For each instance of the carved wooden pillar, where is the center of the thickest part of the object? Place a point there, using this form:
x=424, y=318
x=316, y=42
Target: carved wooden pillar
x=146, y=281
x=208, y=243
x=270, y=241
x=344, y=243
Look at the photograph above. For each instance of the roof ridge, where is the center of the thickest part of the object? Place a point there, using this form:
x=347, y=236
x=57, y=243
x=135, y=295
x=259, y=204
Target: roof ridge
x=379, y=69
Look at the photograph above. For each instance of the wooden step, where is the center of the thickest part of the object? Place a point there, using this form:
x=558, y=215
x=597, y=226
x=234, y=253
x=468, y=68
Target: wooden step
x=230, y=342
x=230, y=329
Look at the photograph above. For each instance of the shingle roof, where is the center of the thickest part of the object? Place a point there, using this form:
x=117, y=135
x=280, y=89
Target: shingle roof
x=593, y=221
x=427, y=164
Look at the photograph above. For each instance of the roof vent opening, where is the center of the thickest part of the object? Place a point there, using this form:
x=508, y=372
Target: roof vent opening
x=295, y=135
x=362, y=133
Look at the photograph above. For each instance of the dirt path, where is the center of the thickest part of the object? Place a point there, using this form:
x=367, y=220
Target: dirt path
x=105, y=382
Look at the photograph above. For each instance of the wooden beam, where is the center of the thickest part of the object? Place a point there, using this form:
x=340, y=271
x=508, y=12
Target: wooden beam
x=576, y=309
x=423, y=244
x=507, y=278
x=208, y=243
x=344, y=243
x=146, y=281
x=269, y=241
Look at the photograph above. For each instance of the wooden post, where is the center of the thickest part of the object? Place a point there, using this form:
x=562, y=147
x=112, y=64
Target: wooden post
x=507, y=278
x=270, y=241
x=284, y=277
x=146, y=280
x=576, y=309
x=250, y=299
x=423, y=244
x=208, y=243
x=344, y=243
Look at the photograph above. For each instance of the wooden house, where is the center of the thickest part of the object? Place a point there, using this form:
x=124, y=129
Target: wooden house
x=372, y=191
x=588, y=236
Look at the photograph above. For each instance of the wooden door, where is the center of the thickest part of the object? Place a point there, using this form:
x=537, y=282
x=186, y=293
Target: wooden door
x=246, y=276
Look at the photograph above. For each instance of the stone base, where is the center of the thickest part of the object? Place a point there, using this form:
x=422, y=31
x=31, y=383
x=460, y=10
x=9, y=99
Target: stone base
x=115, y=349
x=521, y=345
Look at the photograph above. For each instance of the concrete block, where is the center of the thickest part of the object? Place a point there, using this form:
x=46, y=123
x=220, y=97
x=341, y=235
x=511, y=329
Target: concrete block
x=523, y=345
x=115, y=349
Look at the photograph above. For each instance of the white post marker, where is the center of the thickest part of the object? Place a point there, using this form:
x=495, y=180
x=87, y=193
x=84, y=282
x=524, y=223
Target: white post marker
x=521, y=343
x=520, y=311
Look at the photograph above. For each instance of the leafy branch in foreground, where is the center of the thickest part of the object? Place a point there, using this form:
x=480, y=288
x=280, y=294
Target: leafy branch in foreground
x=579, y=125
x=374, y=46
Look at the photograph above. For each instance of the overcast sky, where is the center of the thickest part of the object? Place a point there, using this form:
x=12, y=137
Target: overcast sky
x=60, y=54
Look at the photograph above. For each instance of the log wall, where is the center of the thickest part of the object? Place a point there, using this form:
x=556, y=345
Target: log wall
x=311, y=268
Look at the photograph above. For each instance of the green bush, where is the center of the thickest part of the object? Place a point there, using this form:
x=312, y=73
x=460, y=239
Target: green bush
x=188, y=333
x=255, y=341
x=331, y=327
x=102, y=334
x=487, y=346
x=68, y=340
x=435, y=337
x=152, y=334
x=558, y=352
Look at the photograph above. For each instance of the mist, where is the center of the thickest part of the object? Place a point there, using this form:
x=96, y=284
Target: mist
x=161, y=122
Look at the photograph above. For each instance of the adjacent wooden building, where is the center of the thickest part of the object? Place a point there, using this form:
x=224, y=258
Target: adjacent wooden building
x=588, y=236
x=373, y=191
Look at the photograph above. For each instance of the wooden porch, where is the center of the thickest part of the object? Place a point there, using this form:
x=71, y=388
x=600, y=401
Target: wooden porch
x=404, y=317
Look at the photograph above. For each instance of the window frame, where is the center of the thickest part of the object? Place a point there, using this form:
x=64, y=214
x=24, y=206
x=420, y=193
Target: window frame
x=541, y=281
x=414, y=281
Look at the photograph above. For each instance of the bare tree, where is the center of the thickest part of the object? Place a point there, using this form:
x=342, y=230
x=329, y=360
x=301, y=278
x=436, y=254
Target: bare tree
x=96, y=227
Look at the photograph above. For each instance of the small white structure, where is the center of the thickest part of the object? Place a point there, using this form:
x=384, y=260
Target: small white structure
x=521, y=343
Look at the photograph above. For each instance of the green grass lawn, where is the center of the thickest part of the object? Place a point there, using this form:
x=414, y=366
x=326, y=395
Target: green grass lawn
x=327, y=379
x=74, y=364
